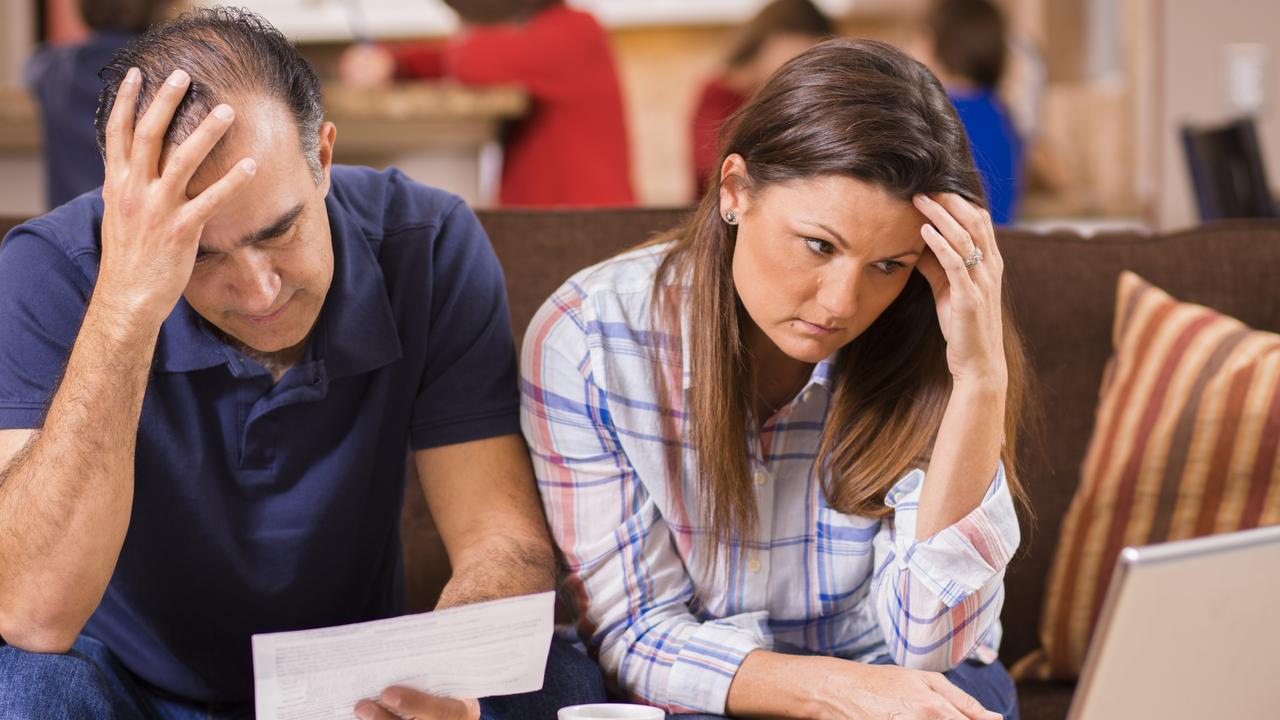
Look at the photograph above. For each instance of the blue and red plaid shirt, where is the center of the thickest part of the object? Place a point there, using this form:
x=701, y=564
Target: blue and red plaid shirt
x=627, y=518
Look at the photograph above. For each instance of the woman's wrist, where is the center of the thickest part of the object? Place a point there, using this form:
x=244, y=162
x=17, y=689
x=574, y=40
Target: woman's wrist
x=770, y=684
x=993, y=382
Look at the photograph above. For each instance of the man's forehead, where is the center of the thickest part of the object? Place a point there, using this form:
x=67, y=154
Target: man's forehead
x=262, y=129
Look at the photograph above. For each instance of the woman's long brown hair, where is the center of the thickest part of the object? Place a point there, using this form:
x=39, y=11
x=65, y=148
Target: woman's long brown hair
x=865, y=110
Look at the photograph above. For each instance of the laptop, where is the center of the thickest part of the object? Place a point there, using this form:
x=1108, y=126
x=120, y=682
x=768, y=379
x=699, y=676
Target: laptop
x=1189, y=629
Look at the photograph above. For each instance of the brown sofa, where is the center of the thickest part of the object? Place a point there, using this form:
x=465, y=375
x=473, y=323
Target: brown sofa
x=1063, y=292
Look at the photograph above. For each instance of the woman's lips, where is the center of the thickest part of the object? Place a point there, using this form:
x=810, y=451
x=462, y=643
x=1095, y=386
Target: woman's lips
x=818, y=329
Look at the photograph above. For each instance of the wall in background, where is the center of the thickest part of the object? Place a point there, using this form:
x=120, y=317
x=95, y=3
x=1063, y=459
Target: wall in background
x=1196, y=39
x=343, y=20
x=21, y=177
x=17, y=26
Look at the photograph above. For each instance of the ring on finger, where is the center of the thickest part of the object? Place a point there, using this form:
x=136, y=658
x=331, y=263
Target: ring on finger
x=975, y=258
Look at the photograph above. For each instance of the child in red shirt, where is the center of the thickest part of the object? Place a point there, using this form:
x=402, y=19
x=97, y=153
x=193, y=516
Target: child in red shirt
x=571, y=148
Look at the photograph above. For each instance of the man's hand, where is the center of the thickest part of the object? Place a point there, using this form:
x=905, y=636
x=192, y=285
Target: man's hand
x=150, y=228
x=399, y=702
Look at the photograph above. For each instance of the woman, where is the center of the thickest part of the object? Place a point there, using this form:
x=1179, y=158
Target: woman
x=777, y=461
x=780, y=31
x=571, y=147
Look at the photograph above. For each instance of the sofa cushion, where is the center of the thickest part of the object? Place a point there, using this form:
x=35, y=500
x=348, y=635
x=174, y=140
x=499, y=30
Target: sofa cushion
x=1185, y=444
x=1062, y=286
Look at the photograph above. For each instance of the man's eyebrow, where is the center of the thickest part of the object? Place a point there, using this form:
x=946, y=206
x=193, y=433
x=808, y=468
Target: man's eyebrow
x=275, y=229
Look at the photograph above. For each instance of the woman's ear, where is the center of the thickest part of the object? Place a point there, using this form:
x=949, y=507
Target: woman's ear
x=734, y=186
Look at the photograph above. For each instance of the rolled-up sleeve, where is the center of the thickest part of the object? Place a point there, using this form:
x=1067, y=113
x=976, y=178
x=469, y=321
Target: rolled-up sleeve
x=938, y=601
x=628, y=582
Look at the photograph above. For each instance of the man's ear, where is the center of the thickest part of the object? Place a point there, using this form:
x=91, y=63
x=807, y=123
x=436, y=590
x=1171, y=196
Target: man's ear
x=328, y=133
x=735, y=185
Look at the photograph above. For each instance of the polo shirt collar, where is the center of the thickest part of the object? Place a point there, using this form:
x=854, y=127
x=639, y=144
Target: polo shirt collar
x=186, y=343
x=357, y=330
x=355, y=333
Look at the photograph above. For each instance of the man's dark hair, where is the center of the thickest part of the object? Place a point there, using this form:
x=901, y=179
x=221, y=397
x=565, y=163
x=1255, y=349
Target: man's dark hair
x=132, y=16
x=969, y=40
x=229, y=53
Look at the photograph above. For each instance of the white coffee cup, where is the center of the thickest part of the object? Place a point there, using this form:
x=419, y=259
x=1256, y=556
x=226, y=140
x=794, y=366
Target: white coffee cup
x=611, y=711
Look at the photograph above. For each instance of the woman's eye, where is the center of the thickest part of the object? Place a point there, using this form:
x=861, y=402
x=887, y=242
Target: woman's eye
x=201, y=257
x=820, y=247
x=888, y=267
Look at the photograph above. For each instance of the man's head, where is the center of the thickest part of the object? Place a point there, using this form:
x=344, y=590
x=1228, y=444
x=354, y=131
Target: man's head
x=266, y=260
x=229, y=53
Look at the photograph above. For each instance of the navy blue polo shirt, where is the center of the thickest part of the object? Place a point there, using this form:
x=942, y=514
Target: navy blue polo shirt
x=64, y=79
x=261, y=507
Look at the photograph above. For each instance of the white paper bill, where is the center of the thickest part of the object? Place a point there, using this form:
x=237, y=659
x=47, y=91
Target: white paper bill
x=473, y=651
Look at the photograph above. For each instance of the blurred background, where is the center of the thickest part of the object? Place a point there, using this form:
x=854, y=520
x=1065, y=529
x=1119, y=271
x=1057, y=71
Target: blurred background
x=1112, y=104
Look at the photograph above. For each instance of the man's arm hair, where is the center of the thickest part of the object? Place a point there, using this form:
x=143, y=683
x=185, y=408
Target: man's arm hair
x=510, y=570
x=66, y=496
x=486, y=507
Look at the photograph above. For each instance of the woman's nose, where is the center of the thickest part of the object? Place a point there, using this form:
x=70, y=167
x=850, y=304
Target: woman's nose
x=838, y=295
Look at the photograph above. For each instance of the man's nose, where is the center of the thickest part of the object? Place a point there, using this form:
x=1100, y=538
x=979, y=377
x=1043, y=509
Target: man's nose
x=259, y=285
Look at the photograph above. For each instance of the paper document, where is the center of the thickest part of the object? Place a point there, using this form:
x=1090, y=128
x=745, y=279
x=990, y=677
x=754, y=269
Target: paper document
x=473, y=651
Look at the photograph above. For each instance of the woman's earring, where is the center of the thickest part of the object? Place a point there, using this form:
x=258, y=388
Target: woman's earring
x=731, y=217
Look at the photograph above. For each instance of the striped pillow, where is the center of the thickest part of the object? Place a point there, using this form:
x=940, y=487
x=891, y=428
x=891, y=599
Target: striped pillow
x=1184, y=444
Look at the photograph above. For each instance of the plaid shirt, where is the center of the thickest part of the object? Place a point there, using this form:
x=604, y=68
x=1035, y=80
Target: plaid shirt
x=811, y=580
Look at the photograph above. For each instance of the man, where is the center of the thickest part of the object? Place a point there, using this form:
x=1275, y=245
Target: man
x=211, y=372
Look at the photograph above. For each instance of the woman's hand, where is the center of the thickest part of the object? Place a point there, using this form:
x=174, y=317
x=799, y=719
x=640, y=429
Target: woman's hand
x=968, y=298
x=857, y=691
x=396, y=703
x=773, y=684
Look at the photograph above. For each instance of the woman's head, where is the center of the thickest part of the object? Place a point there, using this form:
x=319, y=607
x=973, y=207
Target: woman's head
x=808, y=242
x=819, y=170
x=859, y=108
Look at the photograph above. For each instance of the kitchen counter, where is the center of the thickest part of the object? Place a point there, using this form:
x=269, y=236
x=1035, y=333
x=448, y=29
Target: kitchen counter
x=442, y=134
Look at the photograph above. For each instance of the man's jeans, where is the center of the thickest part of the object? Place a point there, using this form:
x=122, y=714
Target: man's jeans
x=88, y=682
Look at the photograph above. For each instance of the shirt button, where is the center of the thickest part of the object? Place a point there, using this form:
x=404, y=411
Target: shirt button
x=761, y=477
x=753, y=565
x=806, y=395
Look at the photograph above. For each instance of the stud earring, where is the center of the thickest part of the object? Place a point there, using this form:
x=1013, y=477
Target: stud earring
x=731, y=217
